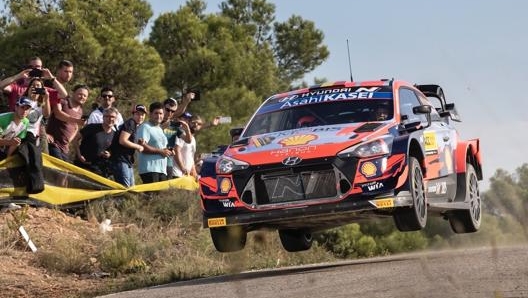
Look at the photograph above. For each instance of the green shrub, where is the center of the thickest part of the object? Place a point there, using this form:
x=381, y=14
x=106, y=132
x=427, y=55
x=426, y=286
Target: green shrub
x=65, y=256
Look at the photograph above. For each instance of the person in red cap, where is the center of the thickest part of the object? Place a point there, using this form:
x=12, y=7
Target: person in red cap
x=123, y=147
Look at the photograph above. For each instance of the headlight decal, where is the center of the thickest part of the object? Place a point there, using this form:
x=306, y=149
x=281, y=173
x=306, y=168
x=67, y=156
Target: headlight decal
x=226, y=165
x=375, y=147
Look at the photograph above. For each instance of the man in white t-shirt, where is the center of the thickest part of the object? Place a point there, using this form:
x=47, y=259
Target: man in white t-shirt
x=106, y=100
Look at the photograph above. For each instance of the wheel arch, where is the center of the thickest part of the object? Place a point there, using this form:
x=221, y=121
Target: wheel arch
x=416, y=150
x=468, y=152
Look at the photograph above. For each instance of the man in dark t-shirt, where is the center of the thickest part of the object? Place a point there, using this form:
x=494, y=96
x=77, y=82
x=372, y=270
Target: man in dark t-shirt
x=92, y=144
x=123, y=147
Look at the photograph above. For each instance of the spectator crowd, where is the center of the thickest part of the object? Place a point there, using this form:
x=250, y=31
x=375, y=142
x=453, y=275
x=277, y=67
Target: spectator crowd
x=44, y=117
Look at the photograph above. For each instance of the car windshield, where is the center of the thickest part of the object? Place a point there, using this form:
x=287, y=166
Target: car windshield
x=327, y=113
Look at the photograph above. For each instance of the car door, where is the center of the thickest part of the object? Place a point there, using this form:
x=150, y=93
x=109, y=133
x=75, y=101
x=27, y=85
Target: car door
x=436, y=139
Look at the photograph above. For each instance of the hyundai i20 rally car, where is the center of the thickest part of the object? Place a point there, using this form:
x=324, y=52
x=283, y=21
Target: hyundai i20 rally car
x=332, y=154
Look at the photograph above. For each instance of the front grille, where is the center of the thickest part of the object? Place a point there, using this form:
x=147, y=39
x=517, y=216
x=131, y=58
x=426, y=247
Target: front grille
x=295, y=187
x=322, y=178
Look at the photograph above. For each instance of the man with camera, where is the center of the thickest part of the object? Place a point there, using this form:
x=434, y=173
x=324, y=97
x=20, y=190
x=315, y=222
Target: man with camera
x=15, y=86
x=175, y=129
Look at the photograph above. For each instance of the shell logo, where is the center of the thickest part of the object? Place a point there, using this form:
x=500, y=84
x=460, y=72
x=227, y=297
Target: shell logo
x=297, y=140
x=225, y=185
x=368, y=169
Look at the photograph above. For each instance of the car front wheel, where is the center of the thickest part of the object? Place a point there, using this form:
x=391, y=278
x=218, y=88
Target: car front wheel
x=413, y=218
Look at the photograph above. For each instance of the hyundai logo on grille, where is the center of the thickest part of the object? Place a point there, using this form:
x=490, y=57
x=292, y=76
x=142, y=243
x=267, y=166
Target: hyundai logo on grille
x=291, y=161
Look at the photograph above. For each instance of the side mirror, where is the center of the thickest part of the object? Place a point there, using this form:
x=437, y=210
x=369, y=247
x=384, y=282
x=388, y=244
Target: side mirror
x=235, y=133
x=424, y=109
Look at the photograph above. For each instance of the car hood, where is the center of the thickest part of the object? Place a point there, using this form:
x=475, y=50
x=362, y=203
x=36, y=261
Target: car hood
x=306, y=143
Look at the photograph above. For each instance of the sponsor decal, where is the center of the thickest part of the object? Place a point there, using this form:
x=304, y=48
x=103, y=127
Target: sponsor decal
x=297, y=140
x=384, y=203
x=216, y=222
x=334, y=95
x=294, y=151
x=368, y=169
x=291, y=161
x=438, y=188
x=430, y=141
x=372, y=186
x=225, y=185
x=227, y=203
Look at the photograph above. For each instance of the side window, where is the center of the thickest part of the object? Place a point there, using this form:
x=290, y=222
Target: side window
x=409, y=100
x=434, y=111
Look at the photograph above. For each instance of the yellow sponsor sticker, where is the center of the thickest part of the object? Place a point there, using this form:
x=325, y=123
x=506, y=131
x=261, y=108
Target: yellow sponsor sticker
x=216, y=222
x=384, y=203
x=430, y=141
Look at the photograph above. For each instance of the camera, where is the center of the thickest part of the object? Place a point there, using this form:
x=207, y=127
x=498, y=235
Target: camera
x=176, y=124
x=196, y=93
x=40, y=91
x=35, y=73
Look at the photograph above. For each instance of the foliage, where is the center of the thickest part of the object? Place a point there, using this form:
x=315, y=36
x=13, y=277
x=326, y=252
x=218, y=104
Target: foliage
x=232, y=58
x=101, y=42
x=370, y=239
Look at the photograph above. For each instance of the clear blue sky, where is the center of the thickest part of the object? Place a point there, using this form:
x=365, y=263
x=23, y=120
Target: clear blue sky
x=476, y=50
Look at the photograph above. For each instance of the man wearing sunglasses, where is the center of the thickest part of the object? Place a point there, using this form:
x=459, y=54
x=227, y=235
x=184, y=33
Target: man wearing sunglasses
x=173, y=130
x=106, y=100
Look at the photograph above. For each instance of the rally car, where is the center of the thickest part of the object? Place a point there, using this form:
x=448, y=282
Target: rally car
x=336, y=153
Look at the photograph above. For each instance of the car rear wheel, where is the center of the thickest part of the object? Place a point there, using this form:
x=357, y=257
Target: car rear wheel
x=467, y=221
x=228, y=239
x=415, y=217
x=295, y=240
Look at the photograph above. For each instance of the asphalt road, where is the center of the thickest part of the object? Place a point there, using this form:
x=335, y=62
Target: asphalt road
x=478, y=272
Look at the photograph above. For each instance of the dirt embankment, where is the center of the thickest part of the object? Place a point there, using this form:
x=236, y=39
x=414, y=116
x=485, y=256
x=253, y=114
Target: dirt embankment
x=21, y=271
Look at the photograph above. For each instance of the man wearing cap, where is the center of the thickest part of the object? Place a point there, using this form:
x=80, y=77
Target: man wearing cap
x=124, y=146
x=13, y=127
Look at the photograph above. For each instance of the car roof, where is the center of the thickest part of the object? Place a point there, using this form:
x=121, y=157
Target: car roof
x=379, y=89
x=385, y=84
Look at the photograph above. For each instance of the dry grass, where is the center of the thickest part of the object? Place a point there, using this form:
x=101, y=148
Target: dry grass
x=154, y=240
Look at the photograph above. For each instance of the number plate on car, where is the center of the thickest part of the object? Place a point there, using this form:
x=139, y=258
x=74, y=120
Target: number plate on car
x=216, y=222
x=384, y=203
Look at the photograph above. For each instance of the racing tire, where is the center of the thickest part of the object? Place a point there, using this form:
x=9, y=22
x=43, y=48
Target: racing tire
x=467, y=221
x=228, y=239
x=413, y=218
x=295, y=240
